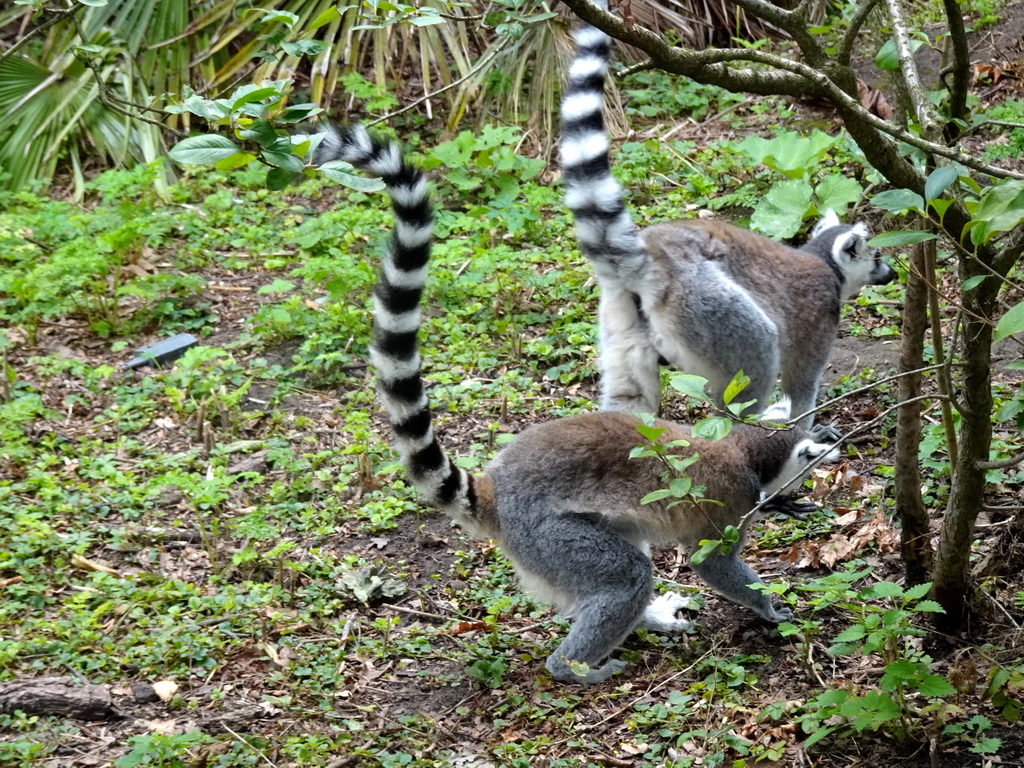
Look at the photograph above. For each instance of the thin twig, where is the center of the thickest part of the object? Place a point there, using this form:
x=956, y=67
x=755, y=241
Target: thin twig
x=113, y=101
x=865, y=388
x=821, y=459
x=56, y=16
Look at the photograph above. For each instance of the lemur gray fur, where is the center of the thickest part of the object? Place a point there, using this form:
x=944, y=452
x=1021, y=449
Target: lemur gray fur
x=705, y=296
x=563, y=499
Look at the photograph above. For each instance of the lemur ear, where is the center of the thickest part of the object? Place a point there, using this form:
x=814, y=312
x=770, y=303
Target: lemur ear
x=828, y=220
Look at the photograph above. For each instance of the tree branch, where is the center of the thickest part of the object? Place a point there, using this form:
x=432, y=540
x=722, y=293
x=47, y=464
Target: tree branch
x=1001, y=463
x=794, y=23
x=911, y=78
x=961, y=64
x=794, y=79
x=845, y=52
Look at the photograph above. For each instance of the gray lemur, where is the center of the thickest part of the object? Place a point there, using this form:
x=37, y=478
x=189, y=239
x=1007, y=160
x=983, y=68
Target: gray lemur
x=563, y=499
x=708, y=297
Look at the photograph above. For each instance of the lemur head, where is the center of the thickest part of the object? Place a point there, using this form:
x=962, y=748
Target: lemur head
x=819, y=445
x=845, y=248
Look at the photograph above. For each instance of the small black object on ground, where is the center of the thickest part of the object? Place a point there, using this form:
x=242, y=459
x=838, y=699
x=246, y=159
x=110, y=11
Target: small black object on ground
x=163, y=352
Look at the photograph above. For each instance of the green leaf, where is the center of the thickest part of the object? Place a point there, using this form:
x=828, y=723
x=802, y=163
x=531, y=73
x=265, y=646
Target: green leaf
x=938, y=181
x=712, y=428
x=284, y=161
x=658, y=495
x=203, y=150
x=256, y=95
x=334, y=170
x=901, y=237
x=898, y=201
x=1001, y=209
x=918, y=591
x=850, y=634
x=650, y=433
x=94, y=3
x=690, y=385
x=781, y=212
x=883, y=589
x=1010, y=323
x=278, y=178
x=973, y=282
x=736, y=385
x=818, y=735
x=935, y=686
x=260, y=131
x=790, y=153
x=929, y=606
x=236, y=160
x=888, y=58
x=835, y=192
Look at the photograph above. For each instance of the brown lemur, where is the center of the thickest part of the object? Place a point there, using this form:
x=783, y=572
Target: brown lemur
x=563, y=499
x=708, y=297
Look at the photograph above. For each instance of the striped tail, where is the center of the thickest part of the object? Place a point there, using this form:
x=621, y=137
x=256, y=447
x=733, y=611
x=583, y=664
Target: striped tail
x=607, y=235
x=394, y=351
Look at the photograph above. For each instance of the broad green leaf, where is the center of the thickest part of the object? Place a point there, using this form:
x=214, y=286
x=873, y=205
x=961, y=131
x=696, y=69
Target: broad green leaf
x=303, y=47
x=1001, y=209
x=884, y=589
x=282, y=160
x=425, y=20
x=888, y=58
x=691, y=385
x=1010, y=323
x=252, y=96
x=836, y=192
x=938, y=181
x=650, y=433
x=781, y=212
x=935, y=686
x=901, y=671
x=929, y=606
x=358, y=183
x=898, y=201
x=658, y=495
x=850, y=634
x=278, y=178
x=790, y=153
x=736, y=385
x=712, y=428
x=260, y=131
x=818, y=735
x=231, y=162
x=203, y=150
x=918, y=591
x=901, y=237
x=331, y=14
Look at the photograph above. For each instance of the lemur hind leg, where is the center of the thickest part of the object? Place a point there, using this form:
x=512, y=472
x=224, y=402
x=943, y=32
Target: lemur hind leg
x=606, y=581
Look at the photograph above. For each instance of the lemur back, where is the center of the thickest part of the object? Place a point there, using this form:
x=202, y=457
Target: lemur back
x=708, y=297
x=563, y=499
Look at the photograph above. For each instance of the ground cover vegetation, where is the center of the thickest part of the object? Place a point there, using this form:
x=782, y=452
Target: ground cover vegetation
x=227, y=544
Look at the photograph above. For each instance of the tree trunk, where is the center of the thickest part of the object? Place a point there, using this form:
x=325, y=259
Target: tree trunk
x=950, y=583
x=916, y=549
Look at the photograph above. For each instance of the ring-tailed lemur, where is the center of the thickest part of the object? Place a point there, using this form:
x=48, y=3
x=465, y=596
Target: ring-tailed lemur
x=563, y=499
x=708, y=297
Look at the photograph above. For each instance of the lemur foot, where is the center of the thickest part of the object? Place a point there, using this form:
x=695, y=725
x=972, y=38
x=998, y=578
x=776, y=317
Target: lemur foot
x=661, y=614
x=825, y=433
x=788, y=506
